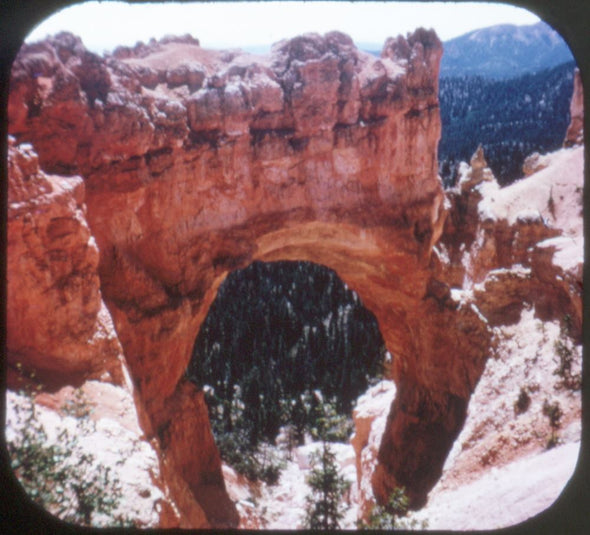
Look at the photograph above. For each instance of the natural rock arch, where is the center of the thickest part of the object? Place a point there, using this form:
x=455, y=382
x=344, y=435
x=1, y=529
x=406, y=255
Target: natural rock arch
x=319, y=153
x=439, y=352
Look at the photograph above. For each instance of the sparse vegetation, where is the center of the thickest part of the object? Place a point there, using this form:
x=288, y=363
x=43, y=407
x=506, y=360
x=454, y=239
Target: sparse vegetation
x=261, y=460
x=565, y=350
x=391, y=516
x=256, y=460
x=60, y=476
x=328, y=424
x=554, y=413
x=523, y=402
x=259, y=463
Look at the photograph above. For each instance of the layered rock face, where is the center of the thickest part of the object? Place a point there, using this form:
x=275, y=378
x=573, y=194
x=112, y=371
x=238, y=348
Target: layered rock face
x=52, y=253
x=60, y=334
x=194, y=163
x=370, y=418
x=520, y=244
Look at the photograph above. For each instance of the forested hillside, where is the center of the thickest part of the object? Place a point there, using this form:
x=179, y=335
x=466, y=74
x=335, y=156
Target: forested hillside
x=284, y=343
x=510, y=118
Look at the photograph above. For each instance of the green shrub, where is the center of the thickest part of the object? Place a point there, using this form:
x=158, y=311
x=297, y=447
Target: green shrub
x=554, y=413
x=327, y=424
x=565, y=349
x=523, y=402
x=390, y=516
x=62, y=478
x=257, y=463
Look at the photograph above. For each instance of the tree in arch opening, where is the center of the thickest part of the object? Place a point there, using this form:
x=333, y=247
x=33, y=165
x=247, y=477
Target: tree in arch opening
x=286, y=345
x=324, y=508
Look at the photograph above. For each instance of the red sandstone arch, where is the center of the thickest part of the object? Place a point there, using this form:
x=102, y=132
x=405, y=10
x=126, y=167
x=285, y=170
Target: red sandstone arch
x=439, y=351
x=319, y=153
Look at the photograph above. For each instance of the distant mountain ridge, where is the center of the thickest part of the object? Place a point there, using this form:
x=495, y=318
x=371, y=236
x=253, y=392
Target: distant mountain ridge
x=504, y=51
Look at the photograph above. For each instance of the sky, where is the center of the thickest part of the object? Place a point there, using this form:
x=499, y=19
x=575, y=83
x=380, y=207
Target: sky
x=105, y=25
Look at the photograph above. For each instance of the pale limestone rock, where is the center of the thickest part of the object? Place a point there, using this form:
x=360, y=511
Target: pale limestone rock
x=370, y=415
x=575, y=131
x=533, y=163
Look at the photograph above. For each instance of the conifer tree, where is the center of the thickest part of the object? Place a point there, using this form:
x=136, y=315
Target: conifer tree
x=324, y=505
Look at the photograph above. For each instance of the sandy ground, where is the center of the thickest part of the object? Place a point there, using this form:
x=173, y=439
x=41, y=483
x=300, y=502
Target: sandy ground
x=504, y=496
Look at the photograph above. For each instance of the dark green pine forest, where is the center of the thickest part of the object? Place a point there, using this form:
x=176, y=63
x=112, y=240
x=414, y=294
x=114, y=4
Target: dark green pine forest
x=285, y=345
x=510, y=118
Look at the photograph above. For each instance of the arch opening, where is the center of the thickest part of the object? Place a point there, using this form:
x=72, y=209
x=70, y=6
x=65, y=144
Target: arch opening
x=282, y=355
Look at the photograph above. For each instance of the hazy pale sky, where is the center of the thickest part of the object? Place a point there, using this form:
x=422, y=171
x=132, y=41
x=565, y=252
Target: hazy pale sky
x=105, y=25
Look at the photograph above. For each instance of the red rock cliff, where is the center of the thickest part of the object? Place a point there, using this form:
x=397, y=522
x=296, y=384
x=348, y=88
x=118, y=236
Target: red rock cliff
x=196, y=163
x=53, y=265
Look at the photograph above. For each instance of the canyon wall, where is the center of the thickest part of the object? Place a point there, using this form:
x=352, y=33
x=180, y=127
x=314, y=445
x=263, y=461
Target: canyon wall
x=60, y=337
x=194, y=163
x=523, y=270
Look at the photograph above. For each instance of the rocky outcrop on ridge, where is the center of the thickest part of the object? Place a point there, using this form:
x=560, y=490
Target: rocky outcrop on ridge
x=51, y=253
x=177, y=165
x=318, y=152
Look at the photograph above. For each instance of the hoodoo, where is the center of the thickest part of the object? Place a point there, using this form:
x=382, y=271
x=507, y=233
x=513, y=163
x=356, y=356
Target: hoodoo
x=163, y=167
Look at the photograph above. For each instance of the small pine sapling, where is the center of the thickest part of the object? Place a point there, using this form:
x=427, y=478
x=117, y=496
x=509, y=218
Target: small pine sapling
x=324, y=509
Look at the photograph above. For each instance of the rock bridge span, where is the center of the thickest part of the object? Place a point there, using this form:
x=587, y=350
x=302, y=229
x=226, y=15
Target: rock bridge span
x=196, y=163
